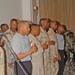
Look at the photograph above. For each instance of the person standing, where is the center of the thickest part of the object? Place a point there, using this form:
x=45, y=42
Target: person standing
x=21, y=46
x=44, y=39
x=7, y=36
x=61, y=43
x=37, y=58
x=53, y=48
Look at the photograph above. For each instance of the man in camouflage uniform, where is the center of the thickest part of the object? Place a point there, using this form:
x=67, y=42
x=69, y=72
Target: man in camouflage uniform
x=7, y=36
x=37, y=58
x=53, y=48
x=43, y=38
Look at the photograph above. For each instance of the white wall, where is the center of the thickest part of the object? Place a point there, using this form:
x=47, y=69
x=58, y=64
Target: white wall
x=10, y=9
x=27, y=9
x=20, y=9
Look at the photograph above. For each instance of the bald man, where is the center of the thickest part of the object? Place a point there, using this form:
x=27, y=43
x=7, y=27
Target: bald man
x=21, y=46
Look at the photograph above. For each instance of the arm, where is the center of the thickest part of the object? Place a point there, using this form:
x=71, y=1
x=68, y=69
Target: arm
x=23, y=55
x=45, y=46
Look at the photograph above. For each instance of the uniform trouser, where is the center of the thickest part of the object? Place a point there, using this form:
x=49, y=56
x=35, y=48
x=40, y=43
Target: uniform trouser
x=61, y=62
x=54, y=67
x=47, y=68
x=26, y=65
x=46, y=63
x=10, y=71
x=38, y=68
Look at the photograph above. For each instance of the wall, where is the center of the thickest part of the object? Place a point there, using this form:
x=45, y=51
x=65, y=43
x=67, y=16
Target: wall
x=10, y=9
x=26, y=9
x=28, y=12
x=20, y=9
x=60, y=10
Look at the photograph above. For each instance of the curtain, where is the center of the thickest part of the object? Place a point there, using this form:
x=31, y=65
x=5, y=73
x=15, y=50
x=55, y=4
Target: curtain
x=60, y=10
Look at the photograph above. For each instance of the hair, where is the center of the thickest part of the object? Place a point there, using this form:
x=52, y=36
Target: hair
x=65, y=29
x=13, y=19
x=33, y=25
x=42, y=19
x=57, y=22
x=64, y=26
x=22, y=23
x=49, y=20
x=3, y=25
x=70, y=33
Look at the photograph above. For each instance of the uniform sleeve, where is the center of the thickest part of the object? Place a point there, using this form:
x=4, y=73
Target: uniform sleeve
x=7, y=48
x=6, y=45
x=53, y=48
x=39, y=37
x=51, y=36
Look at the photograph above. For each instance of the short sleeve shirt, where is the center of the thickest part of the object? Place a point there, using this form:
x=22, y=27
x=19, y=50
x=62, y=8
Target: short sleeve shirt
x=21, y=44
x=60, y=41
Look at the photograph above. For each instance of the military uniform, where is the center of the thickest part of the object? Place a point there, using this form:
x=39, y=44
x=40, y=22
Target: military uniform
x=69, y=45
x=2, y=62
x=53, y=52
x=43, y=37
x=7, y=36
x=37, y=58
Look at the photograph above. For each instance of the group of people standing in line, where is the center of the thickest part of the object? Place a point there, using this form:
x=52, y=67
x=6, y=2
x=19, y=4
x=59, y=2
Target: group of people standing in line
x=38, y=47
